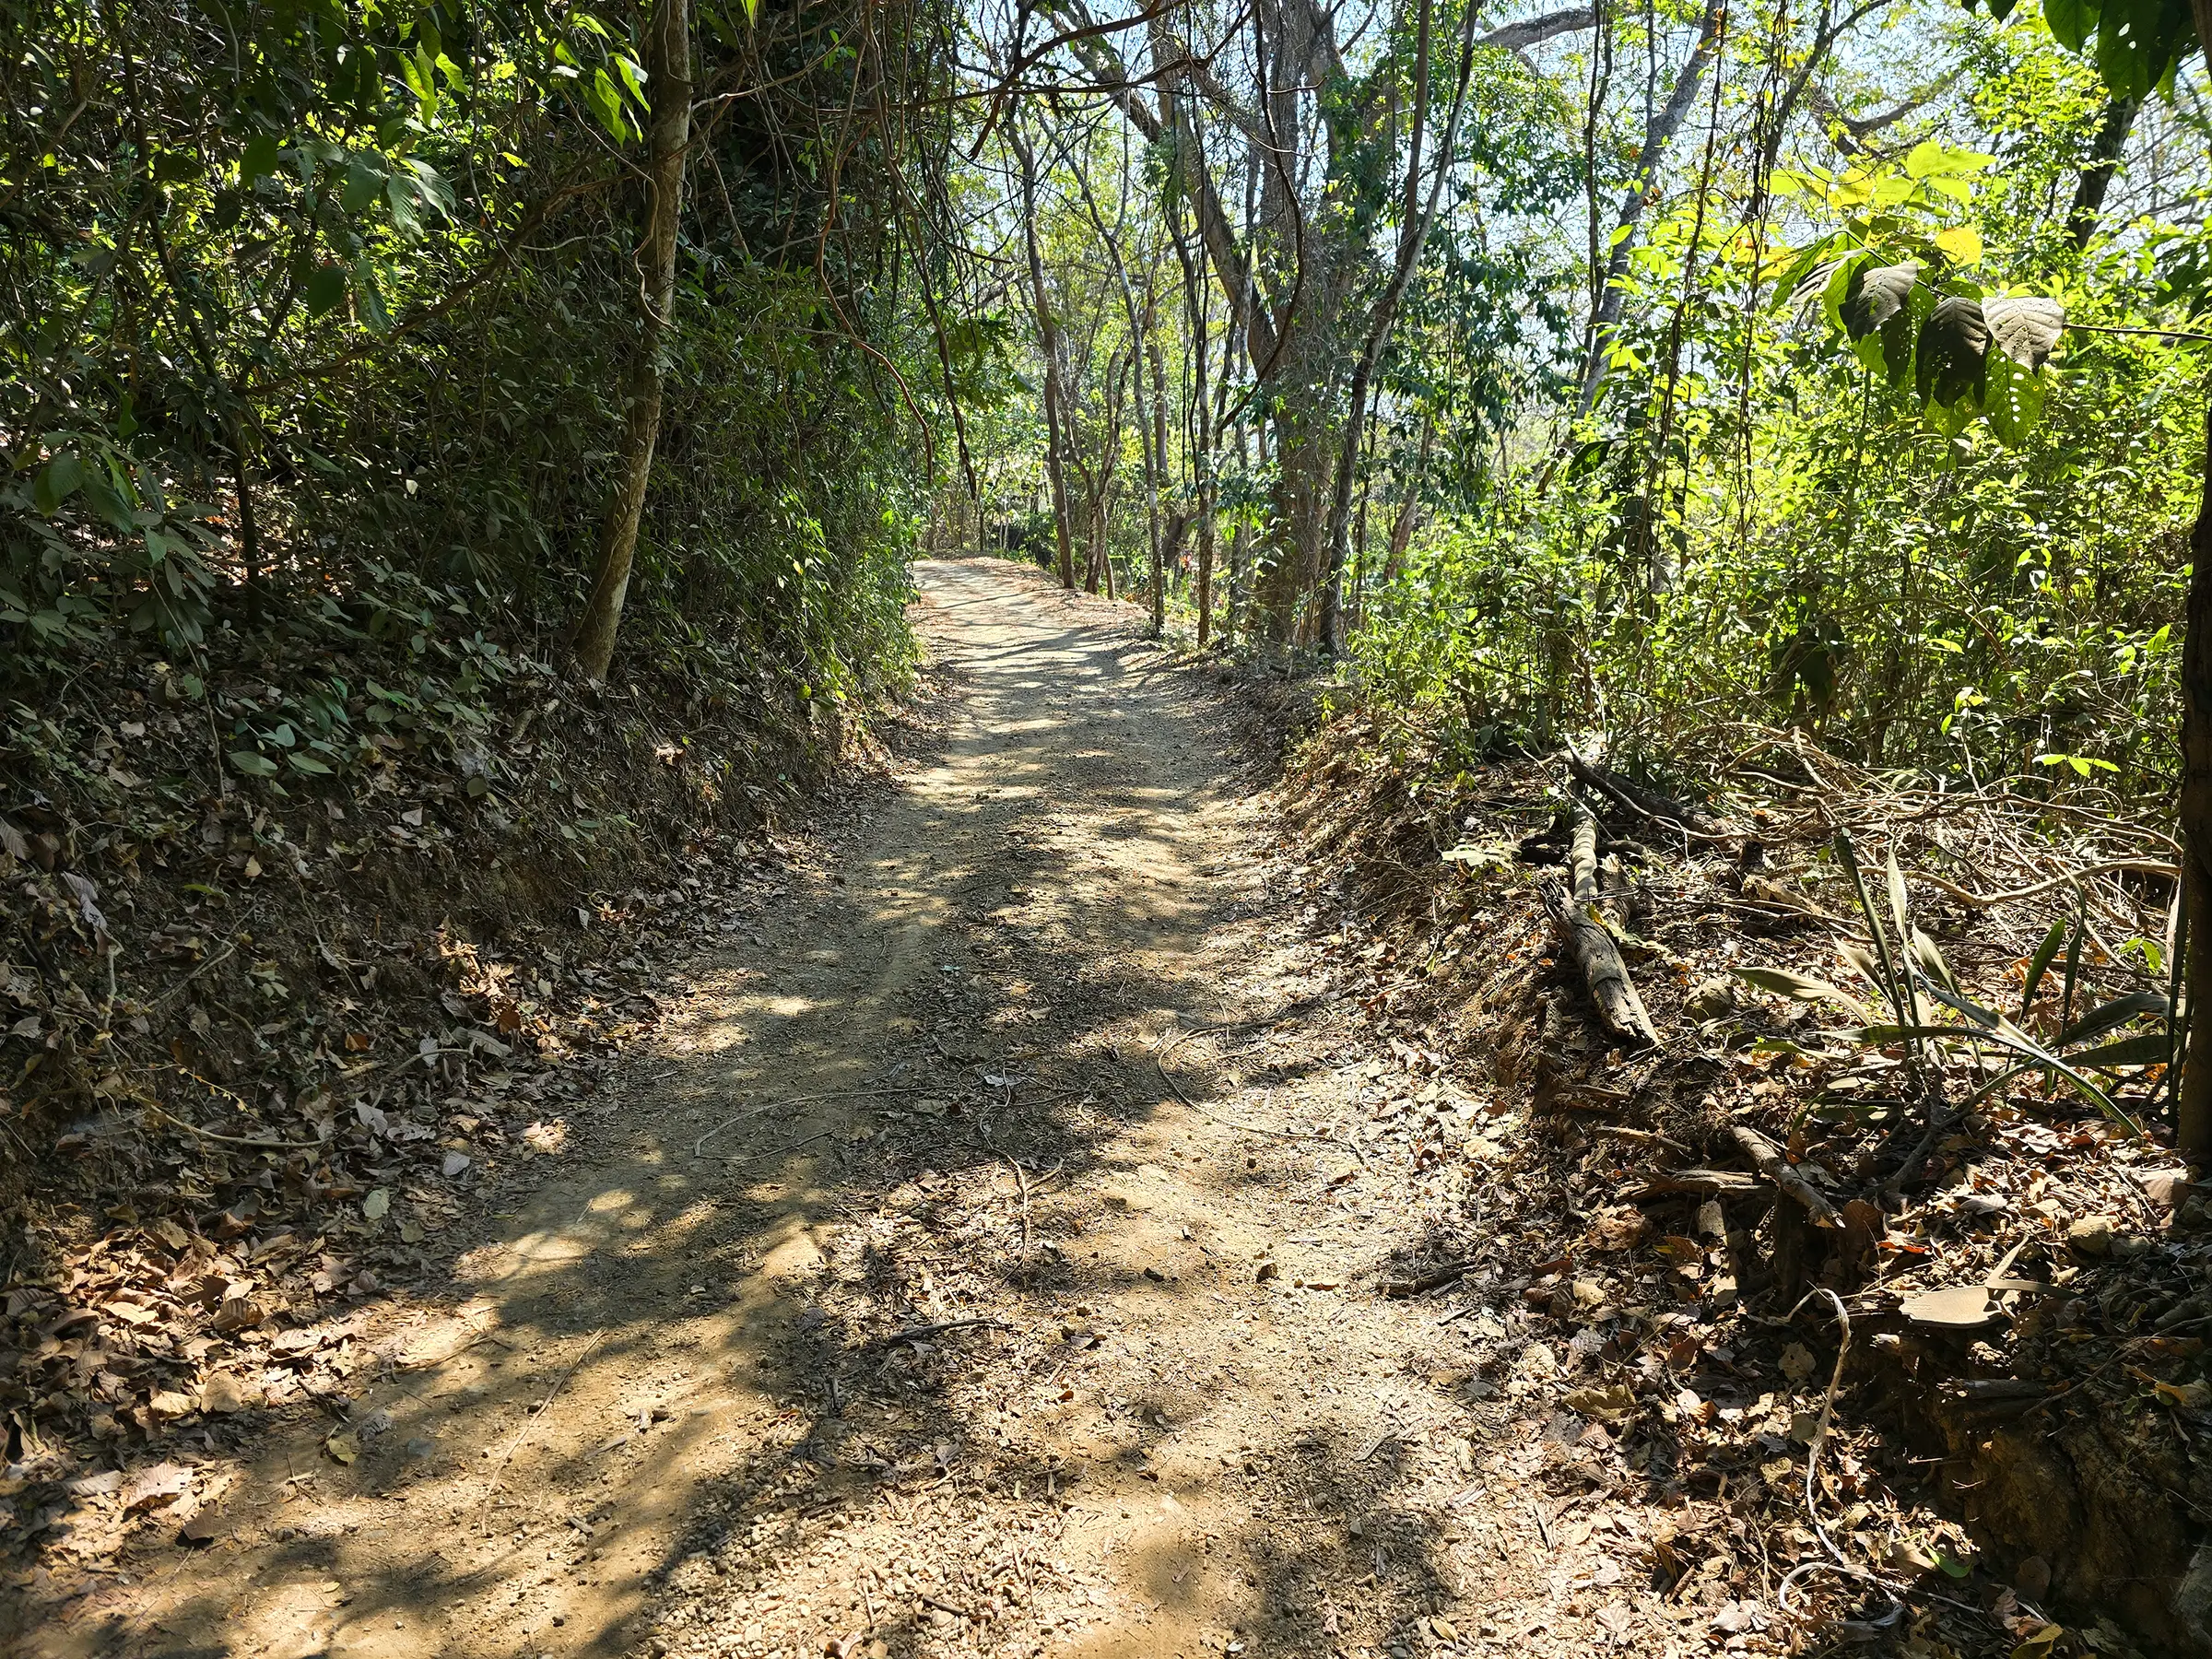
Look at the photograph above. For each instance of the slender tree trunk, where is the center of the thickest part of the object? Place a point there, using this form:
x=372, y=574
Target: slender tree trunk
x=1643, y=190
x=249, y=527
x=1238, y=540
x=2097, y=178
x=1205, y=563
x=1413, y=235
x=2193, y=1112
x=1161, y=554
x=1048, y=345
x=1201, y=441
x=668, y=84
x=1359, y=558
x=2193, y=1106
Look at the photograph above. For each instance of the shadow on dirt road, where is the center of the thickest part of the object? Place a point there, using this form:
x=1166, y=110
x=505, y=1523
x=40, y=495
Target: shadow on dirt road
x=916, y=1312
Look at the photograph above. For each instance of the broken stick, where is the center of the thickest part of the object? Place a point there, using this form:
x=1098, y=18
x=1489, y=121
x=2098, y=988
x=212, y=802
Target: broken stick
x=1646, y=802
x=1618, y=1006
x=1768, y=1156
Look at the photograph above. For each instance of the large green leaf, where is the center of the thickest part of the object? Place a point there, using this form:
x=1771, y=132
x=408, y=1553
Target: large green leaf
x=2013, y=399
x=259, y=158
x=2004, y=1038
x=1822, y=289
x=2069, y=20
x=2025, y=327
x=1892, y=980
x=1876, y=294
x=325, y=288
x=1950, y=366
x=367, y=297
x=1882, y=309
x=2039, y=964
x=1788, y=288
x=1929, y=957
x=1804, y=987
x=2117, y=1012
x=56, y=482
x=2147, y=1048
x=2140, y=41
x=364, y=184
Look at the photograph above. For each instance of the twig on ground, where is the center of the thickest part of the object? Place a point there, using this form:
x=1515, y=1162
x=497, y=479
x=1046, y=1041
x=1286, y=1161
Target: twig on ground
x=698, y=1146
x=227, y=951
x=500, y=1469
x=1649, y=1136
x=1435, y=1278
x=917, y=1332
x=2146, y=866
x=1021, y=1183
x=746, y=1157
x=260, y=1143
x=1166, y=1044
x=1768, y=1156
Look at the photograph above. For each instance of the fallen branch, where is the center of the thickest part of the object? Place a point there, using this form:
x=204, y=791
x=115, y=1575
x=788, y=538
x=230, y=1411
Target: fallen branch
x=1606, y=975
x=2146, y=867
x=698, y=1146
x=1777, y=1169
x=1710, y=1183
x=916, y=1333
x=498, y=1470
x=1436, y=1278
x=1621, y=1132
x=1645, y=802
x=258, y=1142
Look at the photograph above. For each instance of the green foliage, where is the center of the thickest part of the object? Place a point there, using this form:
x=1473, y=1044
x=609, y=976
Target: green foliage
x=317, y=324
x=2136, y=45
x=1915, y=493
x=1919, y=987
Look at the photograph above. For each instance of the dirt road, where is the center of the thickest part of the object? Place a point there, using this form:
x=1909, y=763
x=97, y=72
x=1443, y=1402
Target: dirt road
x=913, y=1311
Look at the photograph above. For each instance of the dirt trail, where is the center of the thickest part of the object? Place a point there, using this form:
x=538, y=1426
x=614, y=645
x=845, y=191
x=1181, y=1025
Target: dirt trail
x=668, y=1405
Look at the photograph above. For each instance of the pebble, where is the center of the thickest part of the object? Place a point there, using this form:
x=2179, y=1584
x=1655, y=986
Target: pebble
x=2091, y=1235
x=1709, y=999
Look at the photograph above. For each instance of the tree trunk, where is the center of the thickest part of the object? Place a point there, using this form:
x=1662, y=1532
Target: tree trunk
x=1299, y=508
x=1409, y=506
x=2194, y=1112
x=1158, y=468
x=1643, y=191
x=1048, y=345
x=1202, y=440
x=2097, y=178
x=1206, y=562
x=668, y=84
x=1412, y=236
x=2193, y=1106
x=1236, y=579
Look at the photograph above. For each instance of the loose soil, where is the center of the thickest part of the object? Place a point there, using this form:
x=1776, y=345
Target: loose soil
x=982, y=1261
x=1085, y=1199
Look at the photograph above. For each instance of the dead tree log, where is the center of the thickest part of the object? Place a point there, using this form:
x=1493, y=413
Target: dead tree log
x=1582, y=853
x=1771, y=1163
x=1618, y=1006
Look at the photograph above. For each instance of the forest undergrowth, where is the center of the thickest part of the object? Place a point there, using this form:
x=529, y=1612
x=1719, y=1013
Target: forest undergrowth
x=1884, y=1299
x=274, y=1044
x=340, y=346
